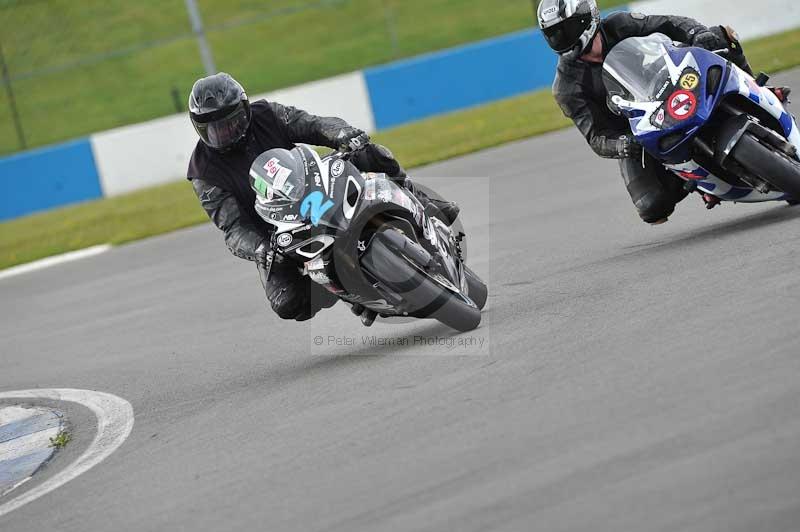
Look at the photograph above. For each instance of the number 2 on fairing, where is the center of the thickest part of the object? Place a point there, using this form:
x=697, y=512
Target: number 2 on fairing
x=315, y=205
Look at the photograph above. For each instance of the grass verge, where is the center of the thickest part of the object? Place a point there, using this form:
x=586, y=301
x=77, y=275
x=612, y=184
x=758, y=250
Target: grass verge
x=168, y=207
x=61, y=440
x=101, y=53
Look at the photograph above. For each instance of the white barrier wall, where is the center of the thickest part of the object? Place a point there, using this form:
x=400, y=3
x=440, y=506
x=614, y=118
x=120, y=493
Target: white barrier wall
x=158, y=151
x=750, y=18
x=142, y=155
x=343, y=96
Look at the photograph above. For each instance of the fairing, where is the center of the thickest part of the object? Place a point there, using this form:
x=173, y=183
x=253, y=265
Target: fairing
x=666, y=121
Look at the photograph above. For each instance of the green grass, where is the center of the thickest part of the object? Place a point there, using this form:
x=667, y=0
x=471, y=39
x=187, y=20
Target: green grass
x=115, y=220
x=161, y=209
x=287, y=45
x=61, y=440
x=775, y=53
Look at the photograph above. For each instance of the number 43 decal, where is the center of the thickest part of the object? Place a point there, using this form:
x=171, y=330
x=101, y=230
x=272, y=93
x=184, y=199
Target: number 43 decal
x=316, y=206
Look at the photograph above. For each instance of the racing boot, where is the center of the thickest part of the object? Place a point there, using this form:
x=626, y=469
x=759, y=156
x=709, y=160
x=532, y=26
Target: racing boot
x=711, y=201
x=448, y=210
x=782, y=93
x=368, y=317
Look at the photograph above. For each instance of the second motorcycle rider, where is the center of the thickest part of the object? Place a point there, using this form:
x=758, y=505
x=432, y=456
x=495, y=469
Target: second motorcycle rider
x=575, y=31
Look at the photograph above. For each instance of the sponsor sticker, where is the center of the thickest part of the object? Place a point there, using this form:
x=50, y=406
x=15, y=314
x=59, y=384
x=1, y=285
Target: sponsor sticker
x=663, y=89
x=272, y=166
x=285, y=239
x=260, y=185
x=682, y=105
x=300, y=229
x=550, y=13
x=385, y=195
x=689, y=81
x=369, y=190
x=315, y=264
x=319, y=277
x=660, y=116
x=337, y=168
x=280, y=179
x=686, y=174
x=278, y=173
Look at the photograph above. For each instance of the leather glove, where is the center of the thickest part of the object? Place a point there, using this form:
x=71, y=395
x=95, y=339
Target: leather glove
x=264, y=257
x=628, y=148
x=708, y=40
x=352, y=140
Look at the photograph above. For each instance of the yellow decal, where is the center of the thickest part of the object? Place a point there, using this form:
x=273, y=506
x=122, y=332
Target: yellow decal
x=689, y=81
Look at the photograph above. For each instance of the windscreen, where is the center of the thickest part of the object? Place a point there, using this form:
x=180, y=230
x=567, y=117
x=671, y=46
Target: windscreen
x=636, y=68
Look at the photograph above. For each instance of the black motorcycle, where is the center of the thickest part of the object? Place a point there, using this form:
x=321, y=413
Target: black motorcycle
x=364, y=238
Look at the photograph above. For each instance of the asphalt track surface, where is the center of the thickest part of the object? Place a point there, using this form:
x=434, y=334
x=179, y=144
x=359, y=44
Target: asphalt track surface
x=632, y=377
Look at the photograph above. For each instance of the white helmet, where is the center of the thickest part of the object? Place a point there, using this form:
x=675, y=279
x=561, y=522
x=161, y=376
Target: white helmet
x=569, y=25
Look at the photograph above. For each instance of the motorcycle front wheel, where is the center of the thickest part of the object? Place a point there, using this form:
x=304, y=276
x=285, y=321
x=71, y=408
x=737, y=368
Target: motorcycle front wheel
x=389, y=258
x=774, y=167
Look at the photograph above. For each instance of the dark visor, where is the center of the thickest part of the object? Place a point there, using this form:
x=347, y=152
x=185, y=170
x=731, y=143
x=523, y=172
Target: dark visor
x=564, y=36
x=225, y=131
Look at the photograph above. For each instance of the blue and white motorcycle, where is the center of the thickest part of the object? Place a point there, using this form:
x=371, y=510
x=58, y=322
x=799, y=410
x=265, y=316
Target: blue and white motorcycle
x=705, y=119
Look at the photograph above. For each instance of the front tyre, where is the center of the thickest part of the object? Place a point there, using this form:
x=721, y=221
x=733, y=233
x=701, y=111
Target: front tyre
x=478, y=292
x=774, y=167
x=385, y=260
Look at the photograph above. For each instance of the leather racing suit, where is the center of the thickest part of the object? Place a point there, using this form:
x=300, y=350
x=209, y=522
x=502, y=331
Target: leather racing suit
x=221, y=182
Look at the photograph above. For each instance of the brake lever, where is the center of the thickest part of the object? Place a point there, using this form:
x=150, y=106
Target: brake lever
x=341, y=154
x=346, y=152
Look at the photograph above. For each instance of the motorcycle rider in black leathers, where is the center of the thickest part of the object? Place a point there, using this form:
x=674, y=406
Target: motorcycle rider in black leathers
x=232, y=134
x=574, y=30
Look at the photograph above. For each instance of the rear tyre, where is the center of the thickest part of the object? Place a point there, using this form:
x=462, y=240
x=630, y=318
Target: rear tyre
x=428, y=298
x=774, y=167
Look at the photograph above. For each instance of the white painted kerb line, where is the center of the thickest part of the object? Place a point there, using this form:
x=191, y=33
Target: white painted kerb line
x=114, y=425
x=54, y=261
x=27, y=446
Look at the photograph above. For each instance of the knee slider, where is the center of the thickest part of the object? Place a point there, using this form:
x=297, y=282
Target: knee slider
x=654, y=206
x=288, y=303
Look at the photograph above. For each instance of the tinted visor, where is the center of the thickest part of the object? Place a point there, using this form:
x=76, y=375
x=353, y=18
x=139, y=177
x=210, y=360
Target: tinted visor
x=564, y=36
x=226, y=131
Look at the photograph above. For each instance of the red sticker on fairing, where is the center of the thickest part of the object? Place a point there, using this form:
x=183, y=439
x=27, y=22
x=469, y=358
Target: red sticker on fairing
x=682, y=105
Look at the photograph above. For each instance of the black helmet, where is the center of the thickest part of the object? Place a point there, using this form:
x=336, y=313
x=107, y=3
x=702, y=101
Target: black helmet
x=569, y=25
x=220, y=111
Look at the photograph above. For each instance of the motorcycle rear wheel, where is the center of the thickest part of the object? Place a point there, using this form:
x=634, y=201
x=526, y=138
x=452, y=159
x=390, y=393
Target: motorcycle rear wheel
x=385, y=260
